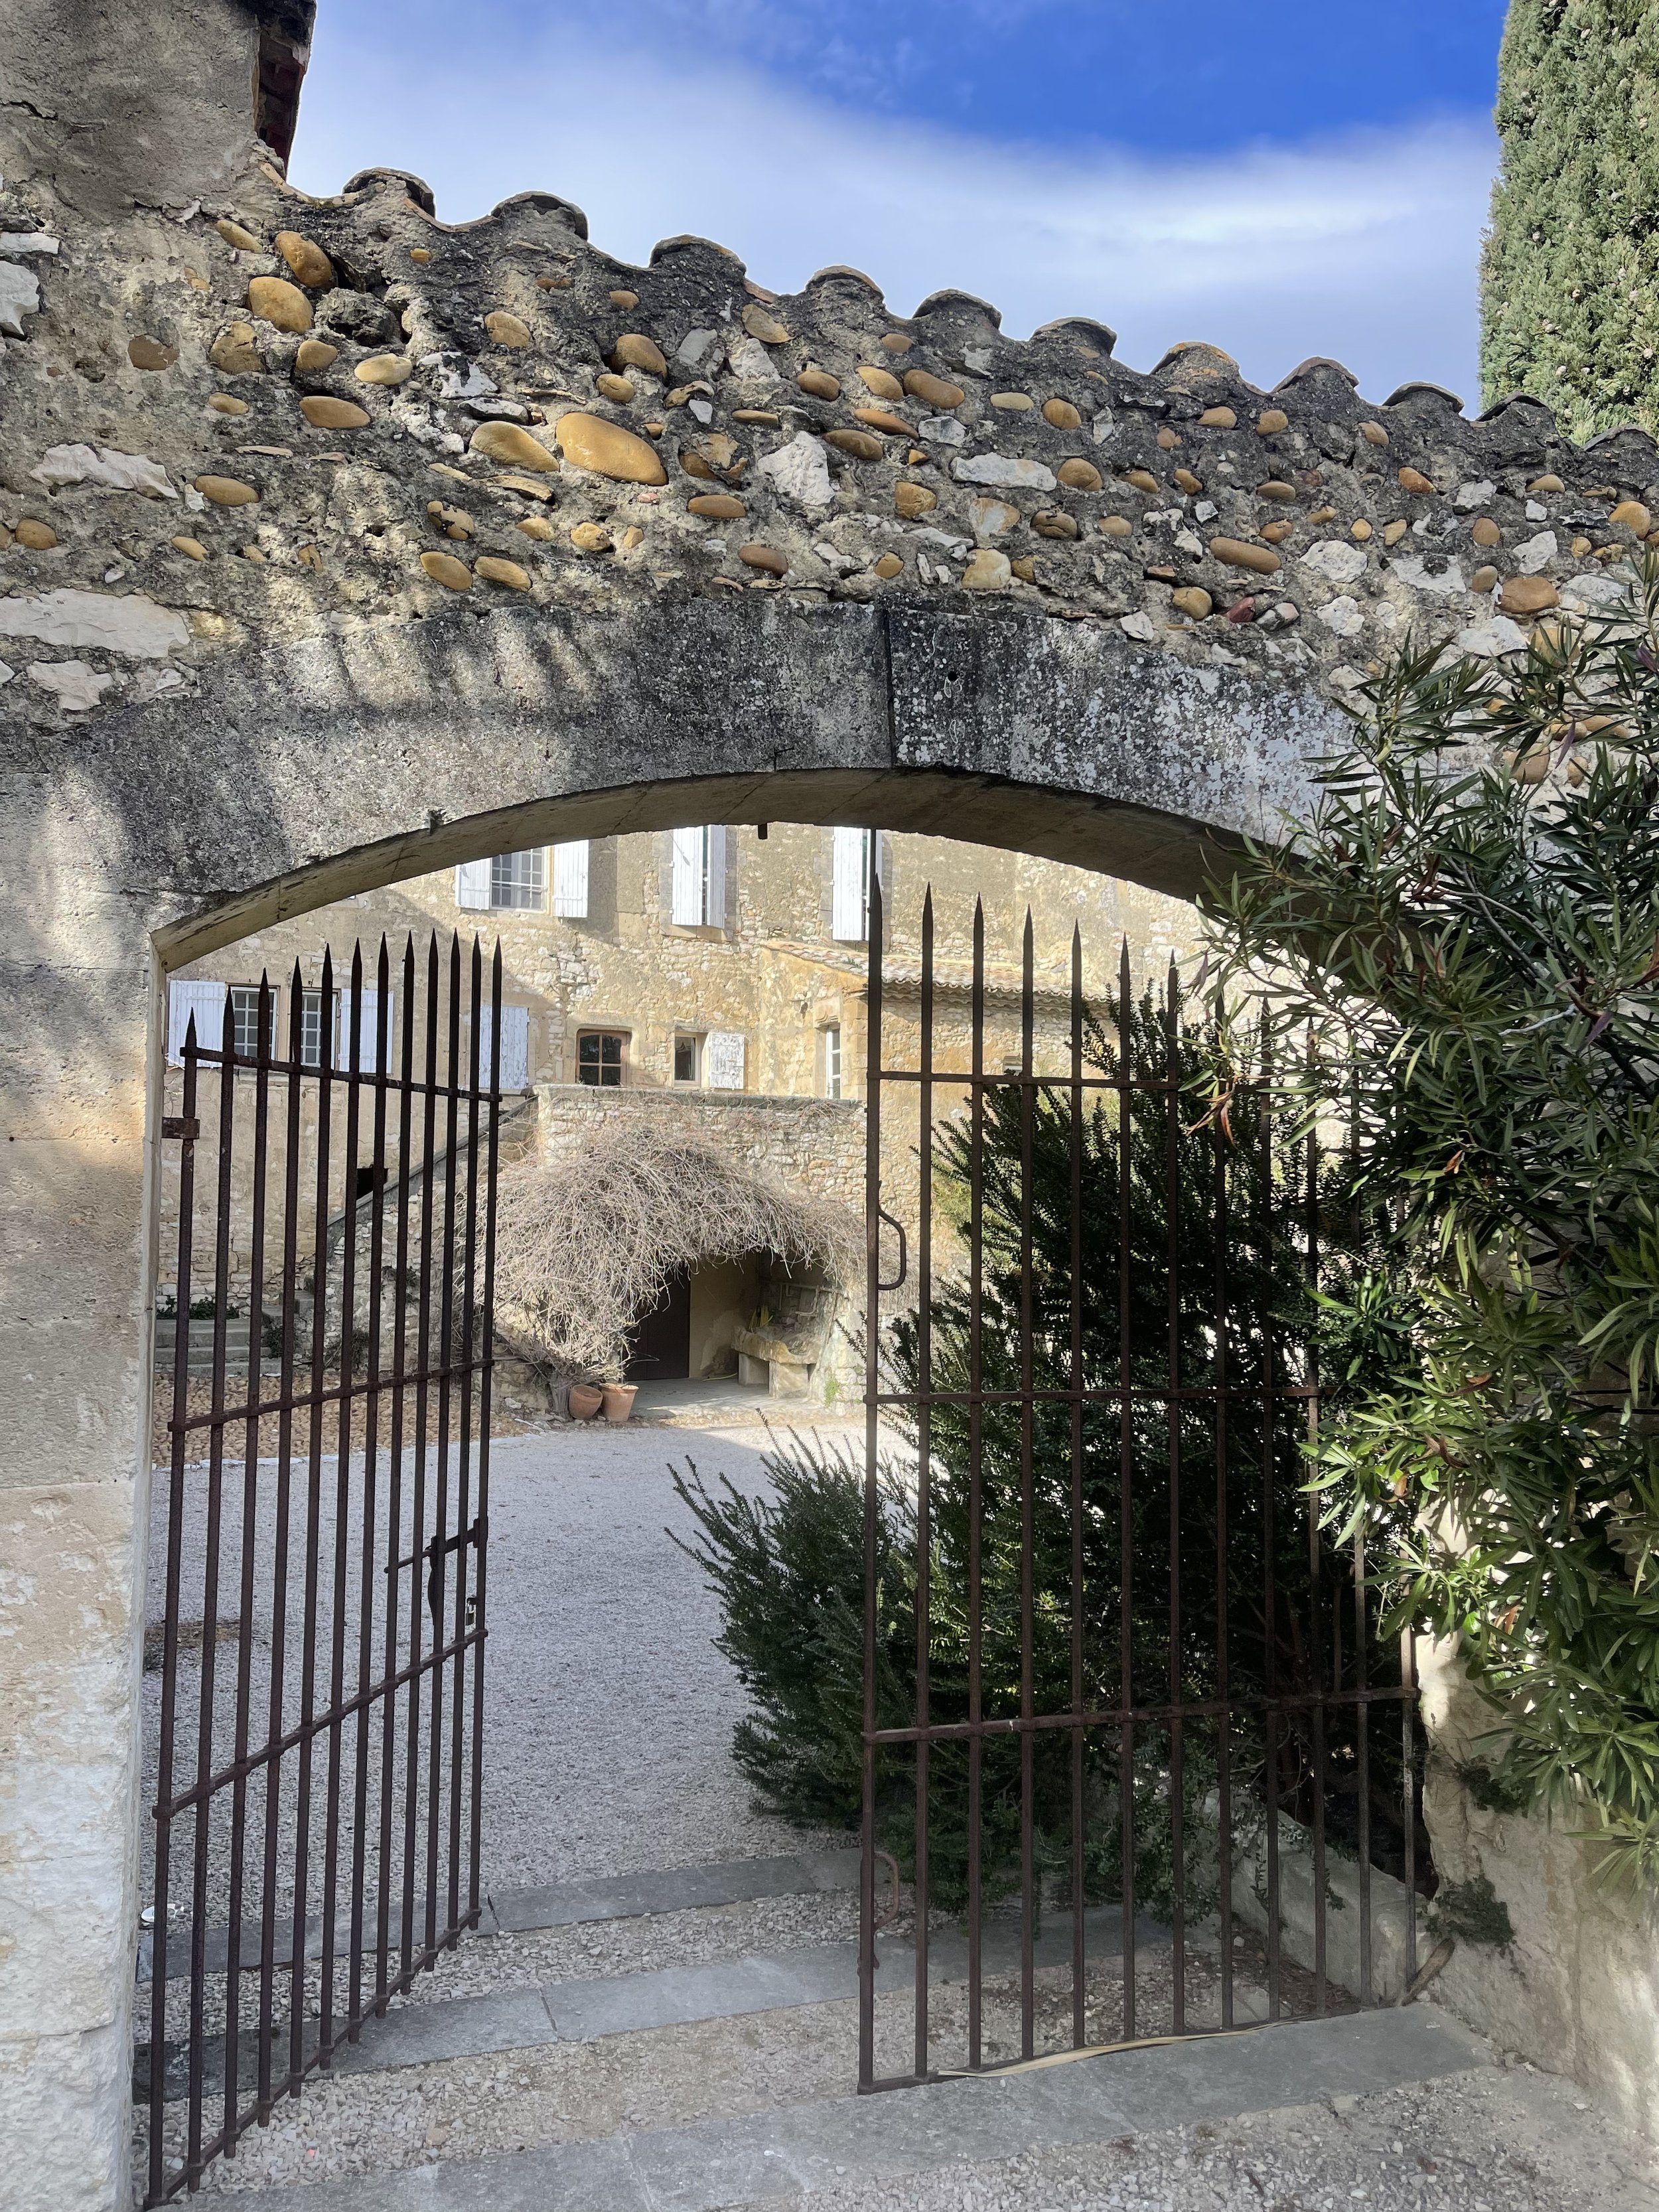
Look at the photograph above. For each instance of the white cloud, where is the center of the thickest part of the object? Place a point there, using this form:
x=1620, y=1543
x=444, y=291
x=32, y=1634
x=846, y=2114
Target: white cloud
x=1365, y=248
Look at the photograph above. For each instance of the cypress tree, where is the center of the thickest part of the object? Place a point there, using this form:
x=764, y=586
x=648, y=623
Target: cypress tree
x=1570, y=278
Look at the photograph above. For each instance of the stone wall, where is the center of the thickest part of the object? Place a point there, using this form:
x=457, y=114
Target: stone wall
x=341, y=545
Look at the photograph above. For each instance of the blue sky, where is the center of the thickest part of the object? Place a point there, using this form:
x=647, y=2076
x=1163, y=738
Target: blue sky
x=1311, y=180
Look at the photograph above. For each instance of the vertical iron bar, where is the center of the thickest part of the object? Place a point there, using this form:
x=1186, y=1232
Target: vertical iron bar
x=371, y=1487
x=1363, y=1774
x=1408, y=1790
x=208, y=1681
x=976, y=1491
x=246, y=1600
x=423, y=1404
x=459, y=1705
x=1125, y=1485
x=446, y=1364
x=871, y=1440
x=1223, y=1570
x=1271, y=1722
x=314, y=1514
x=280, y=1537
x=1177, y=1747
x=342, y=1478
x=1315, y=1593
x=924, y=1466
x=486, y=1376
x=1079, y=1955
x=160, y=1903
x=394, y=1510
x=1028, y=1900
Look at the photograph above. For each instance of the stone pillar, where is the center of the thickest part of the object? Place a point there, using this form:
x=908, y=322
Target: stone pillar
x=75, y=978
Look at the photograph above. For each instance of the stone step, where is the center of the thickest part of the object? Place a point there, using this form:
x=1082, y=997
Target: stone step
x=580, y=2011
x=849, y=2143
x=557, y=1904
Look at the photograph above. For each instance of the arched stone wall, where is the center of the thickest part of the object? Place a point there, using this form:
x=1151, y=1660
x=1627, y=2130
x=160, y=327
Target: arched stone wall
x=333, y=535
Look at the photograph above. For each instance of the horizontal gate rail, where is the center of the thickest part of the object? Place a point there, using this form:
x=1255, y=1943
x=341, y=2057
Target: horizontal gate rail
x=1092, y=1425
x=338, y=1768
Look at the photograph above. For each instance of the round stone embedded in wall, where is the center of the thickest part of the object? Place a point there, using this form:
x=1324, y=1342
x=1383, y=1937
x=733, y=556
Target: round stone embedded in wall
x=819, y=382
x=988, y=571
x=505, y=441
x=151, y=353
x=1271, y=420
x=716, y=506
x=388, y=368
x=227, y=491
x=624, y=300
x=1527, y=595
x=1236, y=553
x=633, y=349
x=324, y=412
x=859, y=443
x=1060, y=414
x=1142, y=479
x=1193, y=603
x=233, y=352
x=881, y=382
x=932, y=390
x=767, y=557
x=1373, y=434
x=315, y=354
x=508, y=573
x=591, y=538
x=1413, y=480
x=590, y=443
x=225, y=403
x=444, y=568
x=1079, y=475
x=1217, y=418
x=911, y=500
x=1049, y=522
x=1487, y=531
x=764, y=326
x=274, y=300
x=38, y=537
x=237, y=234
x=889, y=565
x=509, y=331
x=310, y=266
x=614, y=387
x=191, y=548
x=1116, y=526
x=877, y=418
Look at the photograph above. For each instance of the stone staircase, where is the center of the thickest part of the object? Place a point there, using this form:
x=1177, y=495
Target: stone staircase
x=686, y=2038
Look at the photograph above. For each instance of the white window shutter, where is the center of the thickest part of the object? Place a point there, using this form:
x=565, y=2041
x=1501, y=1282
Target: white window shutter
x=516, y=1048
x=472, y=884
x=207, y=1002
x=723, y=1059
x=685, y=905
x=570, y=880
x=714, y=889
x=850, y=886
x=368, y=1042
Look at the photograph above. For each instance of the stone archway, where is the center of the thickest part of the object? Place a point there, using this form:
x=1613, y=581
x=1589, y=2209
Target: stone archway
x=599, y=549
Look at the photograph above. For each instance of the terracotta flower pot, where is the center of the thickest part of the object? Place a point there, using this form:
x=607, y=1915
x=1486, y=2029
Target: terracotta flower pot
x=585, y=1400
x=619, y=1400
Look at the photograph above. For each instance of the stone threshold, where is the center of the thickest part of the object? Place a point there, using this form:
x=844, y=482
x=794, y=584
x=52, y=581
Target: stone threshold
x=559, y=1905
x=427, y=2033
x=850, y=2143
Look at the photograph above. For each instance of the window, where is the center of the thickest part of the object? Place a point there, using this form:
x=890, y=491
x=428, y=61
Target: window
x=600, y=1054
x=570, y=880
x=244, y=1020
x=205, y=1003
x=724, y=1057
x=368, y=1036
x=314, y=1027
x=516, y=1048
x=688, y=1055
x=831, y=1048
x=697, y=899
x=512, y=882
x=518, y=880
x=849, y=899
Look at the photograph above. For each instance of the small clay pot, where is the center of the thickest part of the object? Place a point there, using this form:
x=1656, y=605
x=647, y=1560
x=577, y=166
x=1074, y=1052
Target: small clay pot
x=585, y=1400
x=619, y=1400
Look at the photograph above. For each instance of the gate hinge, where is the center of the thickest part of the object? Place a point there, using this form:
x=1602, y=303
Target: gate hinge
x=183, y=1126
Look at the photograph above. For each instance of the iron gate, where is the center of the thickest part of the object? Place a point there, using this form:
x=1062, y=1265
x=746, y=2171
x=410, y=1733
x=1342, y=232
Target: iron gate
x=1128, y=1714
x=316, y=1789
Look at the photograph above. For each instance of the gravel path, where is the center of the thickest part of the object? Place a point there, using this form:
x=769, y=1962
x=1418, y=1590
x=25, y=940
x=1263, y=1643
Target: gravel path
x=1508, y=2141
x=608, y=1715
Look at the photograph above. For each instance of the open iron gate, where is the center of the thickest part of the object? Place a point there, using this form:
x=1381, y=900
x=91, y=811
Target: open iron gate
x=1115, y=1668
x=317, y=1787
